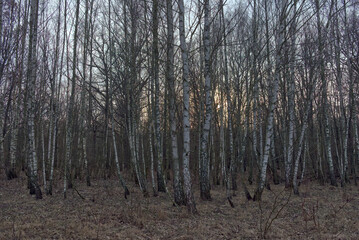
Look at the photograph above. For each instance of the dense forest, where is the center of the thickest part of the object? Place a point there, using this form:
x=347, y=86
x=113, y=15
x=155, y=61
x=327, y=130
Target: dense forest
x=179, y=96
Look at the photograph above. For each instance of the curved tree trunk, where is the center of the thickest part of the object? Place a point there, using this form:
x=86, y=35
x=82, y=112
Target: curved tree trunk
x=122, y=181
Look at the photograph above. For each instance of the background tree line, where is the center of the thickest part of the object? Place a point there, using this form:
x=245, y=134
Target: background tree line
x=214, y=92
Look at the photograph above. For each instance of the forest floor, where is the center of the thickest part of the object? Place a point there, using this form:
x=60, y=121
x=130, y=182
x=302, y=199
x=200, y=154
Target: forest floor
x=320, y=212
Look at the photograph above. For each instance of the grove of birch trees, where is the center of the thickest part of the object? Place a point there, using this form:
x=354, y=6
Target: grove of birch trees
x=179, y=95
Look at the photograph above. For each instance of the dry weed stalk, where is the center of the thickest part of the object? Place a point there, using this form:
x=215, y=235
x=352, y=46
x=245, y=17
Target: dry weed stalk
x=14, y=229
x=335, y=213
x=347, y=199
x=278, y=206
x=310, y=213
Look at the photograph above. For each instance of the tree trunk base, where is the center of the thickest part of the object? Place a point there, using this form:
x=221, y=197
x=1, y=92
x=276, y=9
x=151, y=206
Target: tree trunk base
x=38, y=192
x=333, y=182
x=206, y=195
x=11, y=174
x=247, y=193
x=234, y=183
x=161, y=187
x=230, y=201
x=155, y=193
x=258, y=195
x=191, y=206
x=49, y=190
x=88, y=181
x=146, y=194
x=296, y=191
x=127, y=192
x=32, y=190
x=179, y=195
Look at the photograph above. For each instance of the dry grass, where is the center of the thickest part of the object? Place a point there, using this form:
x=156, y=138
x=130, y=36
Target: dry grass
x=320, y=212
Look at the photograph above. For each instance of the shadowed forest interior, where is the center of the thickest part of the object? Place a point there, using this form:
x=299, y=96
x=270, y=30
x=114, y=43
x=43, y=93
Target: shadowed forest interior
x=239, y=117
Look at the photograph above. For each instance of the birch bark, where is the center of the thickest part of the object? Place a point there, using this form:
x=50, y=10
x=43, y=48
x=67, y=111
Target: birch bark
x=31, y=78
x=122, y=181
x=204, y=172
x=70, y=117
x=191, y=205
x=323, y=79
x=177, y=184
x=155, y=69
x=55, y=95
x=291, y=101
x=272, y=105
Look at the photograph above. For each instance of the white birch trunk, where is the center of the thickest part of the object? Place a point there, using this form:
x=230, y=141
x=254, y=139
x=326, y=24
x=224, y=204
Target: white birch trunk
x=155, y=69
x=122, y=181
x=327, y=138
x=13, y=142
x=83, y=122
x=132, y=107
x=221, y=144
x=2, y=158
x=191, y=205
x=356, y=130
x=204, y=176
x=49, y=145
x=55, y=92
x=291, y=101
x=177, y=185
x=301, y=140
x=153, y=181
x=233, y=167
x=272, y=106
x=320, y=167
x=143, y=156
x=31, y=78
x=69, y=120
x=254, y=75
x=305, y=153
x=300, y=149
x=43, y=157
x=1, y=98
x=344, y=123
x=52, y=164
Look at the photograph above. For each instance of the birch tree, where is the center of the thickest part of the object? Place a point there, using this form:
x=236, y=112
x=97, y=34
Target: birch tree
x=191, y=205
x=56, y=89
x=122, y=181
x=177, y=184
x=323, y=79
x=155, y=69
x=70, y=113
x=83, y=120
x=291, y=95
x=132, y=102
x=31, y=78
x=272, y=102
x=204, y=172
x=2, y=97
